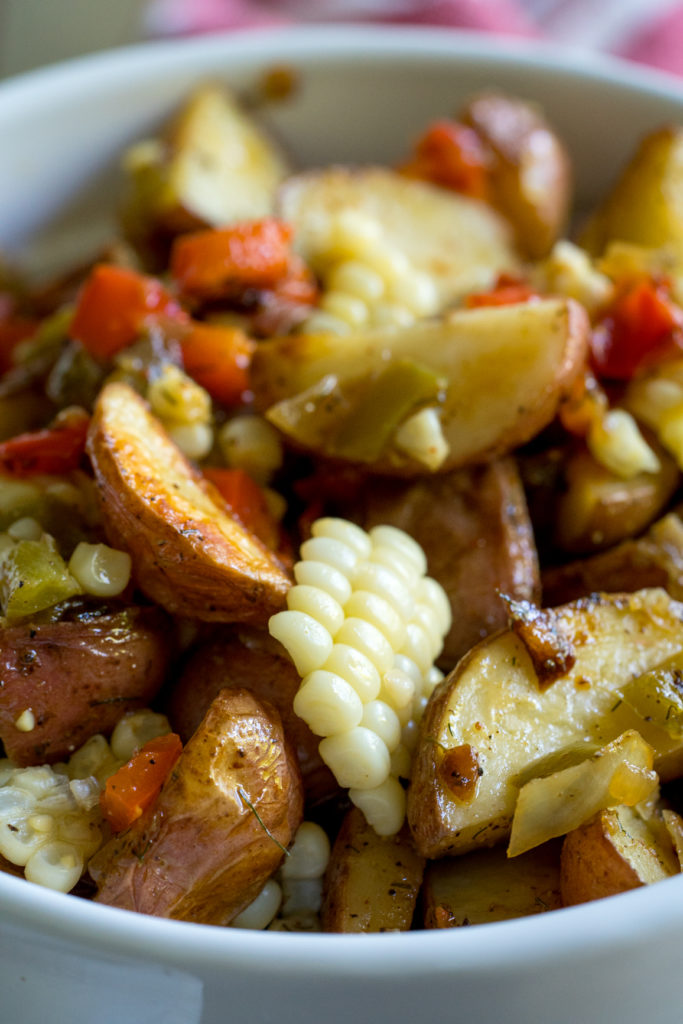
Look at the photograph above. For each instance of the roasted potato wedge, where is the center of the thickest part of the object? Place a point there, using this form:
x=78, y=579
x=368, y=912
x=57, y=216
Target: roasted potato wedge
x=220, y=825
x=613, y=852
x=189, y=554
x=211, y=166
x=460, y=242
x=653, y=560
x=63, y=681
x=487, y=886
x=474, y=528
x=537, y=349
x=372, y=882
x=645, y=206
x=598, y=509
x=250, y=659
x=514, y=706
x=530, y=170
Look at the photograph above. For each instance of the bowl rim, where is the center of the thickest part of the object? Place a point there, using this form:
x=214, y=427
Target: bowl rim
x=568, y=933
x=355, y=42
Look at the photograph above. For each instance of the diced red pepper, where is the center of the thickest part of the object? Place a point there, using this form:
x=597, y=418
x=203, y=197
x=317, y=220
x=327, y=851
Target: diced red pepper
x=114, y=306
x=452, y=155
x=57, y=449
x=247, y=502
x=213, y=263
x=218, y=358
x=137, y=784
x=506, y=292
x=641, y=326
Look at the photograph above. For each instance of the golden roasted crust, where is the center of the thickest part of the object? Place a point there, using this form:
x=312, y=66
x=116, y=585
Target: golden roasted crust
x=189, y=554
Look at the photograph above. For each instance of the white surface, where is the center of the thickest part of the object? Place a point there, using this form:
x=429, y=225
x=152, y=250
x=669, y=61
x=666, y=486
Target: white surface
x=363, y=95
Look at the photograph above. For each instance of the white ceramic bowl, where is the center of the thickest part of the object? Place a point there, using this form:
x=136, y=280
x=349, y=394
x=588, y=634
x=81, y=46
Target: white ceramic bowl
x=363, y=94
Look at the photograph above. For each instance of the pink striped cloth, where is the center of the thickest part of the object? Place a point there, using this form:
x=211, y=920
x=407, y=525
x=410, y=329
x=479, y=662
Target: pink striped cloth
x=648, y=31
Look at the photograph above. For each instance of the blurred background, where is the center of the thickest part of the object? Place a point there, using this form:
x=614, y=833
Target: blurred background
x=38, y=32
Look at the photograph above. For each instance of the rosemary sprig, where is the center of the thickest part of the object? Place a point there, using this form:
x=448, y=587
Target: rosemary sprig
x=247, y=803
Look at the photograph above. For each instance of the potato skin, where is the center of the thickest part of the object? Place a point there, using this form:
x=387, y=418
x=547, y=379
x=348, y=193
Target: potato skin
x=78, y=678
x=249, y=658
x=653, y=560
x=474, y=528
x=613, y=852
x=530, y=170
x=372, y=882
x=189, y=554
x=201, y=853
x=597, y=509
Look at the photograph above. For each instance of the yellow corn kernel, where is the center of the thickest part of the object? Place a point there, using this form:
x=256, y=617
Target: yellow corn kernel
x=616, y=442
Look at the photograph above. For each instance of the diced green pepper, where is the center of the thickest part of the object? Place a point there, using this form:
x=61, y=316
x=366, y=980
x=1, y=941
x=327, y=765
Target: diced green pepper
x=356, y=419
x=657, y=696
x=34, y=577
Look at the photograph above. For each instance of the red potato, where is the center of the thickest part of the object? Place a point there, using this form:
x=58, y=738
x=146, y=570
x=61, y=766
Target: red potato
x=653, y=560
x=474, y=528
x=190, y=554
x=530, y=170
x=372, y=882
x=250, y=659
x=613, y=852
x=64, y=681
x=220, y=825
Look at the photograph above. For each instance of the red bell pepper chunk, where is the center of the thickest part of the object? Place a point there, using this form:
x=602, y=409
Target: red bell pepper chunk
x=247, y=502
x=57, y=449
x=113, y=307
x=213, y=263
x=506, y=292
x=218, y=358
x=137, y=784
x=641, y=326
x=452, y=155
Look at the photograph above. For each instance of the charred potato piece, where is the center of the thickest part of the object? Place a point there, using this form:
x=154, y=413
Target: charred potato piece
x=189, y=554
x=598, y=509
x=64, y=681
x=252, y=660
x=653, y=560
x=460, y=243
x=537, y=348
x=645, y=205
x=530, y=170
x=220, y=825
x=372, y=882
x=614, y=852
x=213, y=165
x=513, y=706
x=474, y=528
x=487, y=886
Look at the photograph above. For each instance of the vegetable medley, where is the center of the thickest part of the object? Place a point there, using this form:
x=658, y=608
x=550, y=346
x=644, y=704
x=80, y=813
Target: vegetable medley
x=341, y=556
